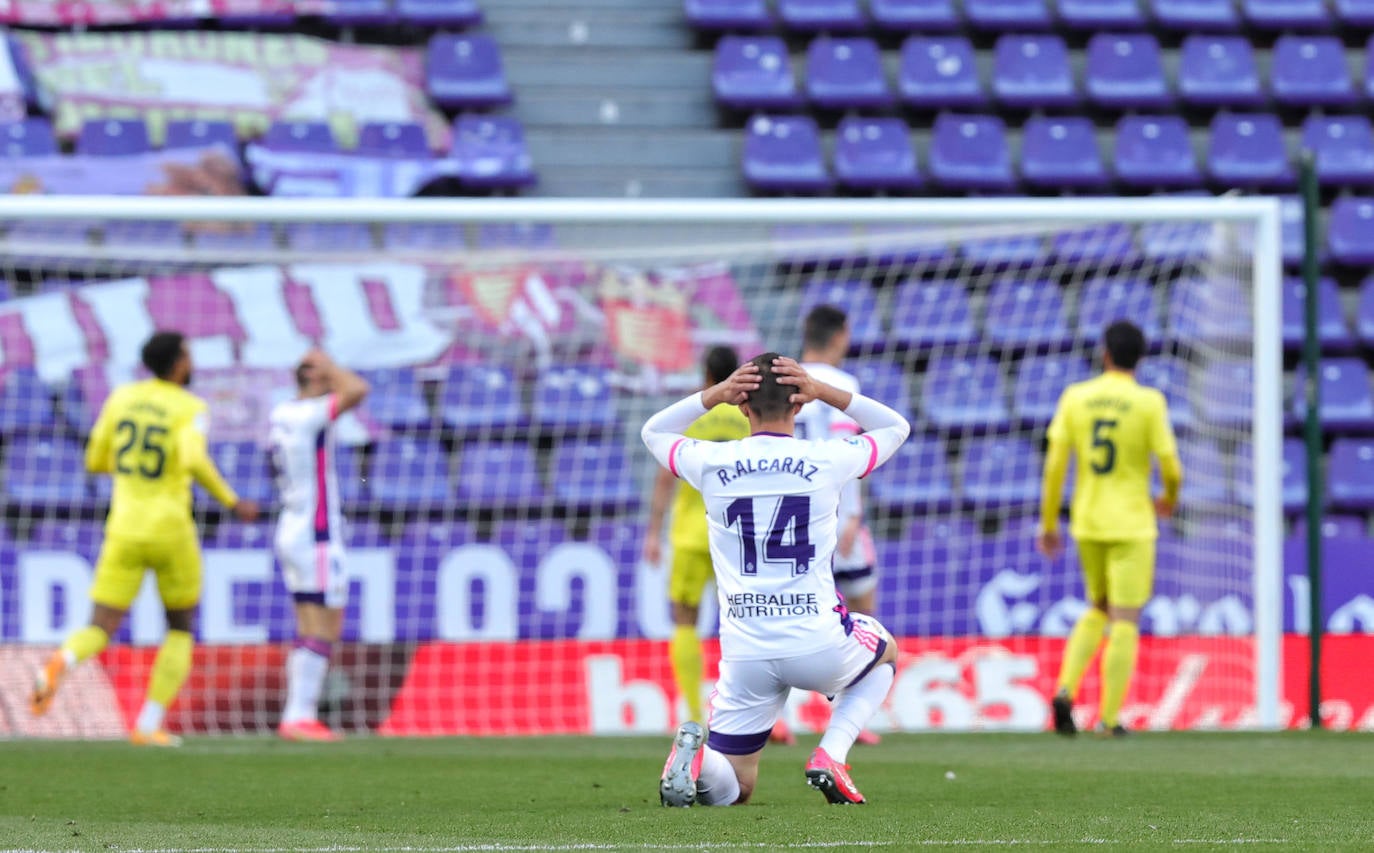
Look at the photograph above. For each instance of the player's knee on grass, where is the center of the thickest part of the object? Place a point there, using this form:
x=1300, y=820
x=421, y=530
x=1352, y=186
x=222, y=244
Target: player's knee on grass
x=746, y=773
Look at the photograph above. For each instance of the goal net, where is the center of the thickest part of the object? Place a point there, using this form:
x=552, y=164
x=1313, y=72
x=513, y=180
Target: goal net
x=495, y=488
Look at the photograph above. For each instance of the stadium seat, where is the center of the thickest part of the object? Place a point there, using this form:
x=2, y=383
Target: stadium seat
x=396, y=401
x=256, y=536
x=498, y=475
x=440, y=13
x=846, y=73
x=1101, y=14
x=1028, y=315
x=1286, y=14
x=883, y=381
x=423, y=236
x=25, y=404
x=1033, y=71
x=1219, y=71
x=1364, y=312
x=933, y=314
x=245, y=465
x=939, y=72
x=1358, y=13
x=999, y=473
x=1294, y=484
x=1310, y=71
x=81, y=537
x=491, y=151
x=393, y=139
x=1154, y=151
x=964, y=394
x=754, y=72
x=1247, y=150
x=815, y=16
x=1333, y=527
x=1350, y=483
x=480, y=400
x=1126, y=72
x=315, y=236
x=917, y=16
x=409, y=473
x=1204, y=311
x=916, y=479
x=971, y=152
x=194, y=134
x=45, y=472
x=1102, y=301
x=465, y=72
x=1207, y=484
x=1347, y=404
x=32, y=137
x=1039, y=382
x=1350, y=232
x=1195, y=15
x=1292, y=230
x=258, y=236
x=1061, y=153
x=1343, y=148
x=592, y=476
x=1007, y=14
x=1171, y=378
x=313, y=136
x=1108, y=244
x=359, y=13
x=783, y=154
x=1332, y=331
x=574, y=400
x=875, y=154
x=737, y=15
x=1227, y=387
x=1004, y=252
x=112, y=137
x=858, y=301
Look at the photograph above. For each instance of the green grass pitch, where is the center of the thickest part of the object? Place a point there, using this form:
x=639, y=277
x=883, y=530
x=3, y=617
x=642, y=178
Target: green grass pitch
x=1149, y=791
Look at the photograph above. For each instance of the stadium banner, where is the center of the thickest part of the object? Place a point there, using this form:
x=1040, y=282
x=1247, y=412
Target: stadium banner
x=250, y=79
x=172, y=172
x=52, y=13
x=301, y=175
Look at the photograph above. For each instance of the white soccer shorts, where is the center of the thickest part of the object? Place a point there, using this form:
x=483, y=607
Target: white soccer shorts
x=313, y=572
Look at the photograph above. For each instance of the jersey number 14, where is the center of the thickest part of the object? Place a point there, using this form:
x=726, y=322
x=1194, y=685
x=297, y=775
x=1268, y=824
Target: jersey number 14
x=789, y=534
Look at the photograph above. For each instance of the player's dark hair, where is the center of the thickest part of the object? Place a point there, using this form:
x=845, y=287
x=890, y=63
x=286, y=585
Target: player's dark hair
x=719, y=363
x=821, y=326
x=302, y=376
x=1125, y=343
x=771, y=400
x=161, y=352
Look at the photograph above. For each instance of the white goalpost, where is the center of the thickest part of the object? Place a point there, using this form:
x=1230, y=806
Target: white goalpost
x=495, y=489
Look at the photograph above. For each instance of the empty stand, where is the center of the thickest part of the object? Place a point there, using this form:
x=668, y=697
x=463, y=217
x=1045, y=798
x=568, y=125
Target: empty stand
x=1154, y=151
x=106, y=137
x=393, y=139
x=1343, y=148
x=491, y=151
x=193, y=134
x=970, y=152
x=938, y=72
x=783, y=154
x=1126, y=71
x=1248, y=150
x=465, y=71
x=1217, y=70
x=846, y=73
x=754, y=72
x=964, y=394
x=31, y=137
x=1032, y=71
x=1062, y=153
x=875, y=154
x=924, y=16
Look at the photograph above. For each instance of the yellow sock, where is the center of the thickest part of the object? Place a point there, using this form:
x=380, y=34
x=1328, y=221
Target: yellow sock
x=1118, y=663
x=84, y=643
x=684, y=650
x=170, y=668
x=1079, y=650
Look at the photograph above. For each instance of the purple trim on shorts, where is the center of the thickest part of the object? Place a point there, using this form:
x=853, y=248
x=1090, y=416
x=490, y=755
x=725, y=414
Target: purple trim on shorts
x=853, y=574
x=309, y=598
x=882, y=647
x=323, y=648
x=738, y=744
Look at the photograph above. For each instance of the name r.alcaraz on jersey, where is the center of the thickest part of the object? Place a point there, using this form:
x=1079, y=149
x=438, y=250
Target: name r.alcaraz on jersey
x=795, y=465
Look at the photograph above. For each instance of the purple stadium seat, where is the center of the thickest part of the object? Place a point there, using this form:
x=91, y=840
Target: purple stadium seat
x=25, y=403
x=1286, y=14
x=1206, y=483
x=1039, y=382
x=1004, y=252
x=42, y=472
x=1291, y=226
x=1350, y=483
x=754, y=72
x=1359, y=13
x=917, y=16
x=516, y=235
x=930, y=314
x=491, y=151
x=409, y=473
x=875, y=154
x=783, y=154
x=348, y=468
x=465, y=71
x=883, y=381
x=964, y=394
x=300, y=136
x=1008, y=14
x=1347, y=405
x=1364, y=313
x=1226, y=386
x=393, y=139
x=1171, y=378
x=591, y=475
x=999, y=472
x=1343, y=147
x=1033, y=72
x=1294, y=487
x=1106, y=244
x=81, y=537
x=258, y=236
x=1105, y=300
x=317, y=236
x=241, y=537
x=859, y=303
x=359, y=13
x=814, y=16
x=845, y=73
x=1332, y=331
x=32, y=137
x=1101, y=14
x=1154, y=151
x=1061, y=153
x=1195, y=15
x=194, y=134
x=396, y=400
x=1334, y=527
x=480, y=399
x=574, y=399
x=1219, y=71
x=728, y=14
x=108, y=137
x=245, y=466
x=1203, y=311
x=497, y=475
x=1310, y=71
x=1126, y=72
x=440, y=13
x=423, y=236
x=1027, y=314
x=939, y=72
x=1350, y=233
x=1247, y=150
x=916, y=479
x=970, y=152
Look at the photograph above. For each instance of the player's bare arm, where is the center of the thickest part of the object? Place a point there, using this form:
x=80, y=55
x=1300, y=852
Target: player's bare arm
x=809, y=388
x=348, y=387
x=664, y=483
x=734, y=389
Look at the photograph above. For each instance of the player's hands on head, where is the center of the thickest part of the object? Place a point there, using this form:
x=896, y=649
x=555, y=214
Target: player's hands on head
x=1049, y=543
x=789, y=372
x=246, y=511
x=735, y=389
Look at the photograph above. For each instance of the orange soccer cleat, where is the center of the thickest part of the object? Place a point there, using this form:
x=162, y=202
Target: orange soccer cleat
x=45, y=684
x=157, y=737
x=831, y=778
x=307, y=730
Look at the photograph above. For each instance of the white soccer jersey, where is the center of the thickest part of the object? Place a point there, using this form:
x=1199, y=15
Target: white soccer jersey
x=819, y=420
x=771, y=505
x=303, y=453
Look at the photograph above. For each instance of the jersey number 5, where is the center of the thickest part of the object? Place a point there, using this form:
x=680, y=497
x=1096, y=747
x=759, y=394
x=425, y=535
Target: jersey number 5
x=1102, y=440
x=151, y=454
x=794, y=513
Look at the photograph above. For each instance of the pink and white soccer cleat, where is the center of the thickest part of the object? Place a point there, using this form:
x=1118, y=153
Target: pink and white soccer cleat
x=307, y=730
x=678, y=786
x=831, y=778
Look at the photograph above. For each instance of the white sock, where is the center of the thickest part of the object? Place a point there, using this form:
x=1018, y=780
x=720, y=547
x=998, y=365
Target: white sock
x=854, y=707
x=150, y=717
x=305, y=669
x=717, y=785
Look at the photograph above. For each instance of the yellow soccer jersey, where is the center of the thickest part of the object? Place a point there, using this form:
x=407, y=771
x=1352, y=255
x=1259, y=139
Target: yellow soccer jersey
x=150, y=437
x=1113, y=425
x=688, y=530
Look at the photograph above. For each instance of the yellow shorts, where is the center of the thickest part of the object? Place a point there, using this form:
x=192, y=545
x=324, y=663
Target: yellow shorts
x=122, y=562
x=688, y=576
x=1122, y=573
